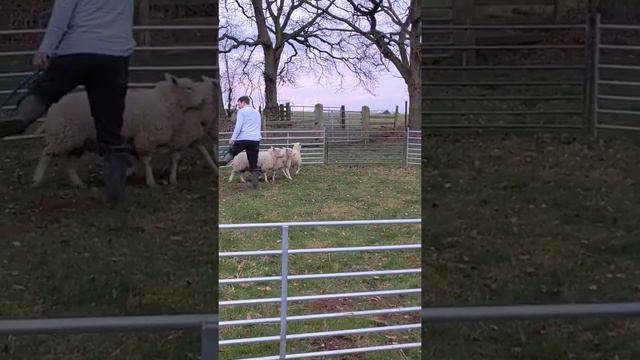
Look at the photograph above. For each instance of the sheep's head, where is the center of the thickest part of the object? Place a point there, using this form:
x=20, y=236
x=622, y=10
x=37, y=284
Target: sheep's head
x=277, y=152
x=297, y=146
x=183, y=91
x=204, y=90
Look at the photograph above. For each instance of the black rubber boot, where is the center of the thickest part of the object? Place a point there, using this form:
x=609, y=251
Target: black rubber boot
x=115, y=177
x=30, y=109
x=225, y=160
x=255, y=178
x=12, y=126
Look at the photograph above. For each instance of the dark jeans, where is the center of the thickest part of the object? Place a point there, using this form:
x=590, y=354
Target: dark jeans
x=105, y=79
x=251, y=147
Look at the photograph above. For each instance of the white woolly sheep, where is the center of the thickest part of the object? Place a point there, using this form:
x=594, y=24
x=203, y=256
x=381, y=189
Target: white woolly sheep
x=270, y=160
x=151, y=118
x=273, y=161
x=283, y=163
x=195, y=129
x=296, y=157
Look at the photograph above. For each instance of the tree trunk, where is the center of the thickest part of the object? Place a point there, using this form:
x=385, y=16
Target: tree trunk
x=271, y=64
x=222, y=121
x=415, y=74
x=415, y=97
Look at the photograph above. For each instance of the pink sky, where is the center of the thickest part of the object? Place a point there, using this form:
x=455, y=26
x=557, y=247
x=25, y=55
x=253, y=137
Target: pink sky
x=391, y=91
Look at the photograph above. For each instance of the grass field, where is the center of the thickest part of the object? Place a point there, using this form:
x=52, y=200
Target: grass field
x=544, y=219
x=64, y=254
x=322, y=193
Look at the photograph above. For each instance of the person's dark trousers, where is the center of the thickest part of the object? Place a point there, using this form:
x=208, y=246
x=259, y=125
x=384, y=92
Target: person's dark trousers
x=105, y=78
x=252, y=148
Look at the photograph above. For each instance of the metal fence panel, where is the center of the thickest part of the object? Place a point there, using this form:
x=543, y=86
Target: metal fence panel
x=359, y=146
x=529, y=312
x=506, y=77
x=312, y=142
x=617, y=79
x=414, y=147
x=343, y=146
x=284, y=298
x=206, y=323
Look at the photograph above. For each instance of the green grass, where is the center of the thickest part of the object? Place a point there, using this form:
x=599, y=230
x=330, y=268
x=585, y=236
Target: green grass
x=64, y=254
x=544, y=219
x=322, y=193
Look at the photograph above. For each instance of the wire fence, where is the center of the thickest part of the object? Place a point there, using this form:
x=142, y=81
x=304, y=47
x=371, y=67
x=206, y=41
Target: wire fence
x=285, y=252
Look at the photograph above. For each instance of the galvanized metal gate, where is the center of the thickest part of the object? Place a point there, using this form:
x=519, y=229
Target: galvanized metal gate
x=285, y=252
x=616, y=95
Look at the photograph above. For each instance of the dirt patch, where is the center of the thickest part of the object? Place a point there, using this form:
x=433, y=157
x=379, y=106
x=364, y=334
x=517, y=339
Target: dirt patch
x=337, y=343
x=52, y=204
x=342, y=305
x=9, y=231
x=333, y=305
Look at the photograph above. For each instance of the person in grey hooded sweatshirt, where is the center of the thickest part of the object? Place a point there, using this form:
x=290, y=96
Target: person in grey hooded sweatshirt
x=87, y=42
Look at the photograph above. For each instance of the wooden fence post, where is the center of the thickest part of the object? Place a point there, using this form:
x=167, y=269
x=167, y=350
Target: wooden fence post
x=396, y=118
x=406, y=114
x=288, y=111
x=366, y=117
x=318, y=116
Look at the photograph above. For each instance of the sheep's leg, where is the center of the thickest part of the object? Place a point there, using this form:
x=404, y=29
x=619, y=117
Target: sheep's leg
x=207, y=157
x=175, y=160
x=38, y=174
x=146, y=160
x=231, y=176
x=72, y=171
x=286, y=173
x=273, y=178
x=298, y=168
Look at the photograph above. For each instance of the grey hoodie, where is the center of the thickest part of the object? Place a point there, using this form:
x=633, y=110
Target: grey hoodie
x=90, y=26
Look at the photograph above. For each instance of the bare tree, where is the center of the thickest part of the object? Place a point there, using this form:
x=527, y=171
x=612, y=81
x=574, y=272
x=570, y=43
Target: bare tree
x=282, y=25
x=393, y=28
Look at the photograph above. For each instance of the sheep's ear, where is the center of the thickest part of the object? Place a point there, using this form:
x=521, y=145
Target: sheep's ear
x=171, y=78
x=206, y=78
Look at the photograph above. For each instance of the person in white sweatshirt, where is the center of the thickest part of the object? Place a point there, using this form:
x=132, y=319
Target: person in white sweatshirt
x=246, y=137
